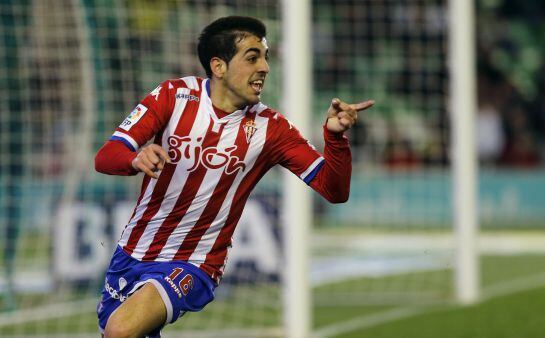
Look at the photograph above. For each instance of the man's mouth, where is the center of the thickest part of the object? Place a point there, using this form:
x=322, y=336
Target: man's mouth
x=257, y=86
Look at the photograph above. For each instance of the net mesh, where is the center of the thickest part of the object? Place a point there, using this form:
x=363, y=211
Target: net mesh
x=391, y=243
x=71, y=72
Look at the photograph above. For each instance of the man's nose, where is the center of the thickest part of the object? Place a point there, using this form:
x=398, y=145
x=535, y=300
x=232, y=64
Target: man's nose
x=264, y=67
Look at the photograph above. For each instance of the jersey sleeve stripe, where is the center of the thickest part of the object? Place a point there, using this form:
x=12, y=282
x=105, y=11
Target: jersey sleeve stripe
x=126, y=139
x=312, y=170
x=191, y=82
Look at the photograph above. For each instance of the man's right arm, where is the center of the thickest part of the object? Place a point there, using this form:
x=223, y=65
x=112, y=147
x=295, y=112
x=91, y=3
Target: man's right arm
x=114, y=158
x=121, y=155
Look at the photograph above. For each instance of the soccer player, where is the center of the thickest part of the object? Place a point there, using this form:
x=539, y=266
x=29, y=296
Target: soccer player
x=212, y=142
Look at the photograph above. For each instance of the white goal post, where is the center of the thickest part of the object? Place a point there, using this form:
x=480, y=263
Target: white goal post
x=297, y=202
x=463, y=106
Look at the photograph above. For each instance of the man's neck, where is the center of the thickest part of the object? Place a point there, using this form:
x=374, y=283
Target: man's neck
x=221, y=97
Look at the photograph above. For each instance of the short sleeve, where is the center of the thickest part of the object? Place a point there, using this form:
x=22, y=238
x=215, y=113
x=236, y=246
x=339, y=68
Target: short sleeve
x=149, y=117
x=295, y=153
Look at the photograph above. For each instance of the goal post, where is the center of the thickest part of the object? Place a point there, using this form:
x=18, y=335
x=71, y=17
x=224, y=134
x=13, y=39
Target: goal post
x=297, y=203
x=463, y=107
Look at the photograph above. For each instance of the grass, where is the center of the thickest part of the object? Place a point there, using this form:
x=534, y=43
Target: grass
x=516, y=315
x=512, y=315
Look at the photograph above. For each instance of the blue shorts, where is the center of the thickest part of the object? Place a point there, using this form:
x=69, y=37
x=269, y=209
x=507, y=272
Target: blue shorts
x=182, y=286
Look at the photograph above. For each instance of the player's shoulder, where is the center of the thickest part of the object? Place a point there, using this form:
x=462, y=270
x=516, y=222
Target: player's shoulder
x=189, y=82
x=276, y=119
x=267, y=112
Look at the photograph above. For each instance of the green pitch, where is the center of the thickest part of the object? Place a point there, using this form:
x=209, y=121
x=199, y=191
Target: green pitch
x=518, y=315
x=514, y=287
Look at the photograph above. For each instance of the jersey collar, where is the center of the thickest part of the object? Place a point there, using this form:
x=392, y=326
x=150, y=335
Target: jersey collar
x=235, y=116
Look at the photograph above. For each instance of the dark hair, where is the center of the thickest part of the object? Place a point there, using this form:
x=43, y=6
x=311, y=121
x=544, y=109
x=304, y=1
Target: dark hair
x=219, y=38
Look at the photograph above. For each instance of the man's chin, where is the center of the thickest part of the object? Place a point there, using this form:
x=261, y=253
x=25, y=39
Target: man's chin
x=254, y=99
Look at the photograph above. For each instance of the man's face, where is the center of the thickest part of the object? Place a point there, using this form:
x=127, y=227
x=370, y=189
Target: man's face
x=247, y=70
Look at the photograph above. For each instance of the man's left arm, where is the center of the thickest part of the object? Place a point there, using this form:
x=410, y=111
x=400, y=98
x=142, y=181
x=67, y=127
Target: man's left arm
x=332, y=181
x=329, y=174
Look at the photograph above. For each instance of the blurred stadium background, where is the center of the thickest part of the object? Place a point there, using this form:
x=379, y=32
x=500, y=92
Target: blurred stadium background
x=70, y=70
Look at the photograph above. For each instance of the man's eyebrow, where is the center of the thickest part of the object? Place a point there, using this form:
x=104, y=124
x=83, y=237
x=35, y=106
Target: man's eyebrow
x=253, y=49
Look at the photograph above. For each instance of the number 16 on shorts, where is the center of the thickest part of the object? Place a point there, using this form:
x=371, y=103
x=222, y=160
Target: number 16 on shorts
x=184, y=286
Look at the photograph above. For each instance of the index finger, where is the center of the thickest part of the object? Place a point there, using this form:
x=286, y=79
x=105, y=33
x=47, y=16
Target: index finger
x=162, y=153
x=363, y=105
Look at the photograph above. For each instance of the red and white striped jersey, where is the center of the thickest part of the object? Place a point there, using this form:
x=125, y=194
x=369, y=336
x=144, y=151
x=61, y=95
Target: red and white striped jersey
x=190, y=212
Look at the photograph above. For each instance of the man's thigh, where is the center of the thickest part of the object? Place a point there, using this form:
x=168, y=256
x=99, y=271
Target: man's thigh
x=172, y=287
x=143, y=312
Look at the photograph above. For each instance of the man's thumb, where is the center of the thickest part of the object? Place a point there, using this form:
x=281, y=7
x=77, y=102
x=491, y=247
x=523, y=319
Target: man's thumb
x=334, y=108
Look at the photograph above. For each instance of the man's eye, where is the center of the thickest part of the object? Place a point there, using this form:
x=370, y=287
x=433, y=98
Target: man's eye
x=252, y=59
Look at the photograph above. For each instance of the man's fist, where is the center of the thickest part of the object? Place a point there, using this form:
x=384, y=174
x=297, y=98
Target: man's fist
x=151, y=159
x=341, y=116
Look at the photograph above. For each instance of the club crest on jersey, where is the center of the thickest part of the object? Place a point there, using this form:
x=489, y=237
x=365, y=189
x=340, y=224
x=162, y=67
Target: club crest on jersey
x=133, y=117
x=191, y=151
x=249, y=129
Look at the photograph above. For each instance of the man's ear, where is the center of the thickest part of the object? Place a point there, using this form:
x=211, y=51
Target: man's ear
x=218, y=67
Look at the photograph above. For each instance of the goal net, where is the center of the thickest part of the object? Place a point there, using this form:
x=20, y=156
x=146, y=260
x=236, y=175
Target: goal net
x=70, y=72
x=393, y=246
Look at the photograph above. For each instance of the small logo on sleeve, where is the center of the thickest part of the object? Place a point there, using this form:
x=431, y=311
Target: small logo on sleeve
x=155, y=93
x=133, y=117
